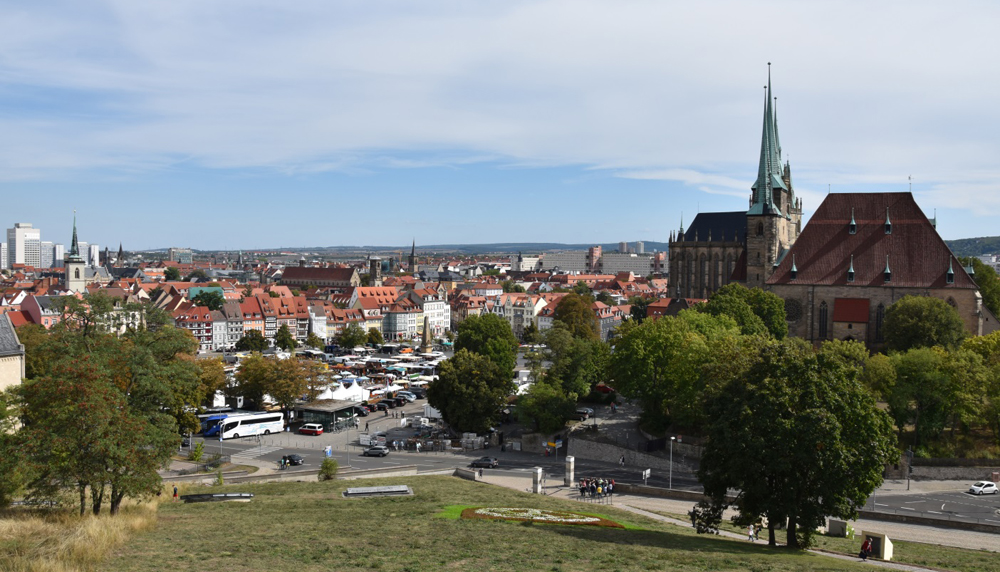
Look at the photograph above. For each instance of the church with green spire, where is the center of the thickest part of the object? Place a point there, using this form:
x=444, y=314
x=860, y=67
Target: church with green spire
x=741, y=246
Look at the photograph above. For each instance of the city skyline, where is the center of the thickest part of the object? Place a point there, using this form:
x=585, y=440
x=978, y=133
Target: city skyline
x=220, y=127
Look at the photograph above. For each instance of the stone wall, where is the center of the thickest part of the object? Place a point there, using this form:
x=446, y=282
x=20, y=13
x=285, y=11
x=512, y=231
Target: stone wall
x=953, y=473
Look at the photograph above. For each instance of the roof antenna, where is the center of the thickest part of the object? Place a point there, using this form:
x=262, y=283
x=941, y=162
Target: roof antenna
x=910, y=177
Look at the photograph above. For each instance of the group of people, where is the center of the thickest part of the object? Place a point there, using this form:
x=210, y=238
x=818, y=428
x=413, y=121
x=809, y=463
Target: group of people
x=284, y=463
x=597, y=488
x=752, y=532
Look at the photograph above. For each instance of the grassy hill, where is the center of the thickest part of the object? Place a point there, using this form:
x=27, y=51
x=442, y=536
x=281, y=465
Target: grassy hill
x=975, y=246
x=307, y=527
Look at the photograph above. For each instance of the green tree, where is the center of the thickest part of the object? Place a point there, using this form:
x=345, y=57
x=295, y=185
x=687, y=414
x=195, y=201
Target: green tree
x=284, y=339
x=922, y=321
x=252, y=379
x=470, y=391
x=172, y=274
x=315, y=342
x=575, y=364
x=13, y=465
x=639, y=306
x=211, y=299
x=574, y=310
x=546, y=407
x=196, y=275
x=988, y=282
x=375, y=337
x=530, y=334
x=663, y=364
x=756, y=311
x=352, y=336
x=509, y=286
x=252, y=341
x=581, y=288
x=490, y=336
x=799, y=437
x=605, y=298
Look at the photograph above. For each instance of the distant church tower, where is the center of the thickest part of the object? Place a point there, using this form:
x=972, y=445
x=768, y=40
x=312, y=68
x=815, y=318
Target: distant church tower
x=775, y=216
x=413, y=257
x=375, y=271
x=76, y=276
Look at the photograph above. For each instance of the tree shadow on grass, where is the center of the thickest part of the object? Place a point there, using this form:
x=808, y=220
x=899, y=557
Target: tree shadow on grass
x=668, y=540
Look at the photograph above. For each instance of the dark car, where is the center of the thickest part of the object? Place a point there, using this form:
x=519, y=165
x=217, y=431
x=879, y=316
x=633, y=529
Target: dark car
x=485, y=463
x=380, y=406
x=362, y=411
x=420, y=392
x=391, y=404
x=400, y=401
x=295, y=459
x=376, y=451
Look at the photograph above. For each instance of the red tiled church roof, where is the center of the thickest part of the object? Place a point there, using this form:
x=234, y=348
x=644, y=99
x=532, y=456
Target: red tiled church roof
x=917, y=255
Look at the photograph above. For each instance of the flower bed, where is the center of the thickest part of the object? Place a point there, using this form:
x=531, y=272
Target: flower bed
x=538, y=515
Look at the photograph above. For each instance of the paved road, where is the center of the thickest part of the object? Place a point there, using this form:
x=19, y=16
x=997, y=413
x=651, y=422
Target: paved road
x=950, y=505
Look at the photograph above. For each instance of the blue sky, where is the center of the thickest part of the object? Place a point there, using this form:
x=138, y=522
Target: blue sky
x=252, y=124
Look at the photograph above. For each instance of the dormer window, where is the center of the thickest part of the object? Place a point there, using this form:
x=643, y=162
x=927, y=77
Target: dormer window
x=795, y=271
x=853, y=227
x=850, y=270
x=950, y=276
x=887, y=274
x=888, y=223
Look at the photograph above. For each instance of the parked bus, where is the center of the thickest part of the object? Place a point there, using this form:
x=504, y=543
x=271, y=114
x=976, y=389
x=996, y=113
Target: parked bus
x=251, y=424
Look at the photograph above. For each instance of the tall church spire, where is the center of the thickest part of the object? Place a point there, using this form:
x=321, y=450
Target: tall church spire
x=769, y=172
x=74, y=249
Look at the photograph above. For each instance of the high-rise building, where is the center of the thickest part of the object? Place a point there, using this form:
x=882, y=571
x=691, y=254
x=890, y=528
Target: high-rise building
x=3, y=255
x=93, y=255
x=45, y=255
x=182, y=255
x=640, y=247
x=23, y=244
x=58, y=253
x=623, y=247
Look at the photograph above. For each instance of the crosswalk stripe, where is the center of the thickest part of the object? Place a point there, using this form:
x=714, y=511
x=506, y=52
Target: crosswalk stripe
x=255, y=452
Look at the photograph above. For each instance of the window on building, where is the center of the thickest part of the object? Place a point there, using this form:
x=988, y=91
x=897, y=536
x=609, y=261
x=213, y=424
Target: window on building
x=760, y=229
x=823, y=315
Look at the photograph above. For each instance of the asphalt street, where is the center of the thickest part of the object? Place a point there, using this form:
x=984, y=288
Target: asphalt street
x=957, y=505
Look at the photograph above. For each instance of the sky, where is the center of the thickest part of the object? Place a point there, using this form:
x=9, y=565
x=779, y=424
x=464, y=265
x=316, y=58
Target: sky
x=243, y=124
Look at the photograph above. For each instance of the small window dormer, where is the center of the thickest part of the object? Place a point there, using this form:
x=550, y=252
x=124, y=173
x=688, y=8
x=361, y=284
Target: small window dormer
x=888, y=223
x=949, y=278
x=850, y=270
x=852, y=228
x=794, y=271
x=887, y=274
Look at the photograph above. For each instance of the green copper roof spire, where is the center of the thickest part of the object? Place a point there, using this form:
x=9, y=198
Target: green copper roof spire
x=74, y=249
x=769, y=172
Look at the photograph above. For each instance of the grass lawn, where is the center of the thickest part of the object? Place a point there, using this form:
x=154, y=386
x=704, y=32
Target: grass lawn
x=916, y=553
x=309, y=527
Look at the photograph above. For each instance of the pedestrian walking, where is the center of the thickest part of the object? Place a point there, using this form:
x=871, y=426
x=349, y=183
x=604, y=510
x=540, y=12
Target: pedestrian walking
x=750, y=536
x=175, y=492
x=866, y=549
x=480, y=473
x=621, y=462
x=366, y=426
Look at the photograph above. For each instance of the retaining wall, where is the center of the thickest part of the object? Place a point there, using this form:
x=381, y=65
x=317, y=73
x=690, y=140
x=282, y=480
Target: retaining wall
x=595, y=451
x=953, y=473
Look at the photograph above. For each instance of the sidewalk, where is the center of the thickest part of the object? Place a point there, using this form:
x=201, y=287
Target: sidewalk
x=895, y=531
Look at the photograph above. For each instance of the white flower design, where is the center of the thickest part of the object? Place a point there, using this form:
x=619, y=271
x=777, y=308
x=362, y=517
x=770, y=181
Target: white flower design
x=535, y=514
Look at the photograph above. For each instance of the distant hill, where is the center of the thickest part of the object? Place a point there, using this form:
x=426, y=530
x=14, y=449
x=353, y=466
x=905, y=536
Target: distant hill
x=975, y=246
x=532, y=247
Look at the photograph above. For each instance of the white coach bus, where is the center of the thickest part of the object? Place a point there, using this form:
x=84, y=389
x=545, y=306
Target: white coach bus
x=251, y=424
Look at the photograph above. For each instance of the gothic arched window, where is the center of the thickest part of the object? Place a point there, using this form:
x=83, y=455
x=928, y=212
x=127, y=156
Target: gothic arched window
x=823, y=312
x=760, y=229
x=76, y=273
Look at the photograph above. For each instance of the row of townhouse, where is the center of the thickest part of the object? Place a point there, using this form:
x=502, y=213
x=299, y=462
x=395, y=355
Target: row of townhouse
x=522, y=309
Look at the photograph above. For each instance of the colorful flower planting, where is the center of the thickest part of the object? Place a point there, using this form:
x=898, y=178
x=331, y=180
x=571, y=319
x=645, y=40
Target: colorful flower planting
x=538, y=515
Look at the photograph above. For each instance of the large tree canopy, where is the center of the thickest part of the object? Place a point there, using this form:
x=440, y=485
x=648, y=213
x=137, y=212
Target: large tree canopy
x=756, y=311
x=800, y=439
x=988, y=282
x=211, y=299
x=922, y=322
x=252, y=341
x=352, y=336
x=470, y=391
x=575, y=311
x=490, y=336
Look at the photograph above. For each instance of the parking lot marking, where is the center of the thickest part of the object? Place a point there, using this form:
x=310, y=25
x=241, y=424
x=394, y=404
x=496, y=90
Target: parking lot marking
x=935, y=512
x=907, y=508
x=880, y=504
x=255, y=452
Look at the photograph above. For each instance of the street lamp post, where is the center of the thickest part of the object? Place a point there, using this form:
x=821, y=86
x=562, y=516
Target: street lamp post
x=671, y=484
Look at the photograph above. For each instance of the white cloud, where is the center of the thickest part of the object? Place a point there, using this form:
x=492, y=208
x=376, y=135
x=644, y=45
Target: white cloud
x=645, y=89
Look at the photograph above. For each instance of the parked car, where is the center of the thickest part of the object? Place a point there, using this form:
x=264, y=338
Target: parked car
x=419, y=392
x=376, y=451
x=588, y=410
x=407, y=396
x=295, y=459
x=984, y=488
x=391, y=404
x=602, y=388
x=582, y=414
x=400, y=401
x=380, y=406
x=311, y=429
x=362, y=411
x=485, y=463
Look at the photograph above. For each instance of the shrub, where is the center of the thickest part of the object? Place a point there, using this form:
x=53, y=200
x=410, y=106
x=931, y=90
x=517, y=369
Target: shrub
x=328, y=470
x=219, y=481
x=196, y=453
